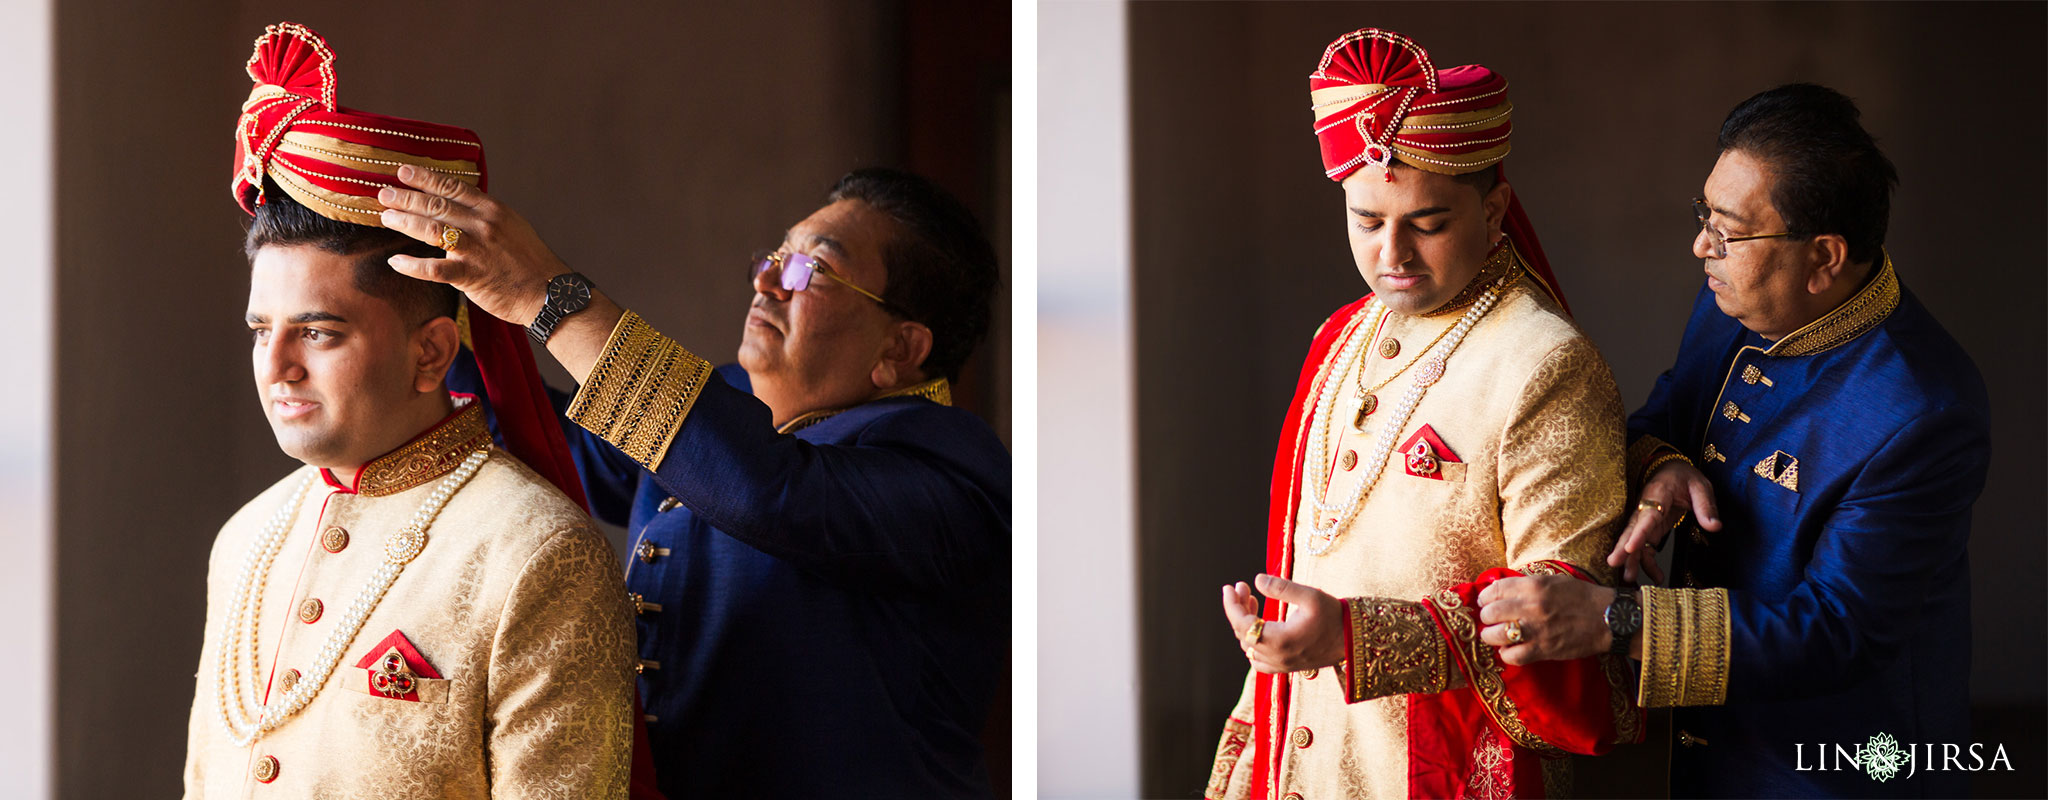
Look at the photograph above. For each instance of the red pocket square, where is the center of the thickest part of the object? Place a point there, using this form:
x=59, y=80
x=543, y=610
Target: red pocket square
x=1425, y=454
x=395, y=668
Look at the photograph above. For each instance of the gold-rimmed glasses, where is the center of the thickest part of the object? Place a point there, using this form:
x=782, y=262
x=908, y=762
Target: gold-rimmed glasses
x=1714, y=235
x=797, y=268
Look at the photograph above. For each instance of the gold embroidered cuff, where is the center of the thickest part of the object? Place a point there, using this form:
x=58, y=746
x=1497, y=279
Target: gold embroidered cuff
x=1228, y=752
x=1685, y=654
x=1645, y=455
x=1394, y=648
x=640, y=390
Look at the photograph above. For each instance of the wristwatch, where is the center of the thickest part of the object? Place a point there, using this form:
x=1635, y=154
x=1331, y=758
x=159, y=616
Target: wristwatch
x=568, y=293
x=1624, y=618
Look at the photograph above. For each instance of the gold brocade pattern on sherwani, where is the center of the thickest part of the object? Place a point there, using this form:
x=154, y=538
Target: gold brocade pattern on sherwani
x=1531, y=410
x=516, y=601
x=434, y=454
x=1557, y=777
x=639, y=392
x=1395, y=649
x=1685, y=647
x=1864, y=310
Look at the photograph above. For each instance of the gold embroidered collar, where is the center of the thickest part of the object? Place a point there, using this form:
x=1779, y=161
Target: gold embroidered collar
x=936, y=390
x=429, y=455
x=1863, y=310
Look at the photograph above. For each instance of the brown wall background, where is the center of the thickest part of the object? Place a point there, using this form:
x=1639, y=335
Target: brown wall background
x=1240, y=254
x=654, y=149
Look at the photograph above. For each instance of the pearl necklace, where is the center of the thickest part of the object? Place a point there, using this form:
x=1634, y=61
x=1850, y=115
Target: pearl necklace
x=238, y=630
x=1322, y=537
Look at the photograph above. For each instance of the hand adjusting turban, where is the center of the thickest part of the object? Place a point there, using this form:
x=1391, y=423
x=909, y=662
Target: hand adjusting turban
x=1378, y=98
x=330, y=158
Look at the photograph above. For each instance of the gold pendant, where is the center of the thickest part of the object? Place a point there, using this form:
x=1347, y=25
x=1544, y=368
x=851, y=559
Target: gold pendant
x=1365, y=409
x=1389, y=347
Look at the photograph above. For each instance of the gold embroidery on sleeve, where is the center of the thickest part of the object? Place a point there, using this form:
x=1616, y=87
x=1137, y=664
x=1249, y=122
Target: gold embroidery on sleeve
x=1235, y=735
x=1483, y=669
x=1685, y=658
x=640, y=391
x=1395, y=649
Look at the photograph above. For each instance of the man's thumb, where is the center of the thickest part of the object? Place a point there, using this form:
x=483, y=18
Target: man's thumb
x=1283, y=590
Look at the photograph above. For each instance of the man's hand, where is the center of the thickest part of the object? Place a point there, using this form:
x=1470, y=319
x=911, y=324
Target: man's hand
x=1562, y=618
x=1668, y=494
x=499, y=261
x=1311, y=637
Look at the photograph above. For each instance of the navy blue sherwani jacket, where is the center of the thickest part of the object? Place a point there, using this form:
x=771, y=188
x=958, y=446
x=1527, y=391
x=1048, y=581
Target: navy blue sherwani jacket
x=1833, y=606
x=823, y=612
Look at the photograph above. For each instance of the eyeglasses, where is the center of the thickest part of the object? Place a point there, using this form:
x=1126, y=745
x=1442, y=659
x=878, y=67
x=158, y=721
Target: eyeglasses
x=1715, y=236
x=797, y=269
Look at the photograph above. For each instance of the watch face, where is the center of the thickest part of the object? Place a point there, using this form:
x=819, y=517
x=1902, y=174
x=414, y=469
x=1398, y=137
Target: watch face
x=1625, y=616
x=568, y=293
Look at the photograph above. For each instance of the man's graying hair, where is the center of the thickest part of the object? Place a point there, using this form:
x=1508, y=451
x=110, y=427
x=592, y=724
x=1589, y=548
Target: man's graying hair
x=941, y=270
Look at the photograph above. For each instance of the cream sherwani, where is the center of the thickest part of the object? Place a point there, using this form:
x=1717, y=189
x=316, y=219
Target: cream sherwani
x=1530, y=470
x=516, y=602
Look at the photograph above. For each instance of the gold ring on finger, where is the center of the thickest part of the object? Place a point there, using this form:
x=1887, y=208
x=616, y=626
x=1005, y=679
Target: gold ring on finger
x=1651, y=505
x=1252, y=634
x=1514, y=631
x=450, y=237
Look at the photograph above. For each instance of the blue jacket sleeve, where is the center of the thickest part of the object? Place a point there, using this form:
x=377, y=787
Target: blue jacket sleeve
x=1875, y=565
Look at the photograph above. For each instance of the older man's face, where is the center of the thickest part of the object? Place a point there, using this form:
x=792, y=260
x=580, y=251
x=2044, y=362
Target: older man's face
x=817, y=348
x=1760, y=283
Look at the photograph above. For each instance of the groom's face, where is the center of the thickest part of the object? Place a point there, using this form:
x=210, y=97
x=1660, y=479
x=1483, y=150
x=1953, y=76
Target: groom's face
x=333, y=365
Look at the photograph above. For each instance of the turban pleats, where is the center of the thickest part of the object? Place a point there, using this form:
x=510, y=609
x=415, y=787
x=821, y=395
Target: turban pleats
x=1377, y=98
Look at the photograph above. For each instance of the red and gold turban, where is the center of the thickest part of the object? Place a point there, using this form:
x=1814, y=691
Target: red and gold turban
x=1378, y=98
x=331, y=158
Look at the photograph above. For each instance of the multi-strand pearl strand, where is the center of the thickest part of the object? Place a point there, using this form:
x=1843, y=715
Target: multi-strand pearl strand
x=238, y=631
x=1324, y=536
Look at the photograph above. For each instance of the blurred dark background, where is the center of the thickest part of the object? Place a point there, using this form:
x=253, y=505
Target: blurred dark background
x=1240, y=253
x=654, y=148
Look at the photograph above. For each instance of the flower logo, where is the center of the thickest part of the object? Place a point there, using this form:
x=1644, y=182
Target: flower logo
x=1882, y=757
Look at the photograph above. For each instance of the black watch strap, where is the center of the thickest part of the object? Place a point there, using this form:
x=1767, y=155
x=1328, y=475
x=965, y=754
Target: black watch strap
x=1624, y=618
